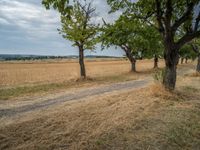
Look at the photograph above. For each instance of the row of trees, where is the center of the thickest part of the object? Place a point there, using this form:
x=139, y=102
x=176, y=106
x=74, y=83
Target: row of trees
x=150, y=28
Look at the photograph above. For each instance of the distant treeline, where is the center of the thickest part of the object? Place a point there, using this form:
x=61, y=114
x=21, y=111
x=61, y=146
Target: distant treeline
x=36, y=57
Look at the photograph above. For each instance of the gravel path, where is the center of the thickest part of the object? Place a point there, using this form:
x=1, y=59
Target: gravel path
x=77, y=95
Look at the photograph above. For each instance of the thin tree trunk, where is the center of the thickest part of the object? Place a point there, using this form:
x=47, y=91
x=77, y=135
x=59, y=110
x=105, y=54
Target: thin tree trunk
x=130, y=57
x=198, y=64
x=133, y=66
x=81, y=62
x=171, y=61
x=196, y=50
x=186, y=60
x=182, y=59
x=155, y=61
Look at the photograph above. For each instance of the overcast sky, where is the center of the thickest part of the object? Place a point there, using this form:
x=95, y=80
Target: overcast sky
x=27, y=28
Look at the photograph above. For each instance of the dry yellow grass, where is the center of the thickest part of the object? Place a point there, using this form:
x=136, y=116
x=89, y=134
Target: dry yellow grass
x=150, y=118
x=196, y=74
x=76, y=125
x=12, y=74
x=140, y=119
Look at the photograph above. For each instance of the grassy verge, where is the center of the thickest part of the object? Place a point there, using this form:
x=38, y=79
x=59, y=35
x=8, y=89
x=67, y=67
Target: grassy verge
x=8, y=93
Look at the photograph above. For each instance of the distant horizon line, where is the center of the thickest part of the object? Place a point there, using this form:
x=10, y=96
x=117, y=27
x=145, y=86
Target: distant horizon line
x=59, y=55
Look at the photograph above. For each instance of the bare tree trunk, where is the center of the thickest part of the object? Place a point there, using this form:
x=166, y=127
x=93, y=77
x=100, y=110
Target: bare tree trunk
x=196, y=50
x=130, y=57
x=171, y=61
x=198, y=64
x=186, y=60
x=133, y=66
x=155, y=61
x=182, y=59
x=81, y=62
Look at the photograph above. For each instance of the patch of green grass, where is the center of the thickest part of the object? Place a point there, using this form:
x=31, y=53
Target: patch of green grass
x=158, y=75
x=99, y=142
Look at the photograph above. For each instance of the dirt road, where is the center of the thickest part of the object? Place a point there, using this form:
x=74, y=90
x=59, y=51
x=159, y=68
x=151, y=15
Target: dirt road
x=14, y=109
x=115, y=115
x=28, y=106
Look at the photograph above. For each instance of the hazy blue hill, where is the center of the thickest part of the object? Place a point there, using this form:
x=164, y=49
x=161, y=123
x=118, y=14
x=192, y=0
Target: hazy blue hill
x=29, y=57
x=32, y=57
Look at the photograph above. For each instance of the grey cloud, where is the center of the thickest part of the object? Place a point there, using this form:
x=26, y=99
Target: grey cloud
x=26, y=24
x=29, y=17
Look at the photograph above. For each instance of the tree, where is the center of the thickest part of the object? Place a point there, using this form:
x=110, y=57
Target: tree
x=62, y=6
x=169, y=17
x=77, y=27
x=191, y=51
x=128, y=34
x=152, y=45
x=121, y=34
x=195, y=47
x=186, y=52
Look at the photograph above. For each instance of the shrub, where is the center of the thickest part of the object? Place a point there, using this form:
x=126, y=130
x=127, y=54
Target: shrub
x=159, y=75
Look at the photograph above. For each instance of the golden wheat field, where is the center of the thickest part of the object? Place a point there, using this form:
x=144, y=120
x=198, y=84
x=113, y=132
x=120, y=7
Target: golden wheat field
x=22, y=73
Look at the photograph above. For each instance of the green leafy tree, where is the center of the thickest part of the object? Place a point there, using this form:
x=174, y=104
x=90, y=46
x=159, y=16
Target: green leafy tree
x=77, y=27
x=169, y=17
x=152, y=44
x=187, y=52
x=191, y=51
x=122, y=34
x=128, y=34
x=62, y=6
x=196, y=49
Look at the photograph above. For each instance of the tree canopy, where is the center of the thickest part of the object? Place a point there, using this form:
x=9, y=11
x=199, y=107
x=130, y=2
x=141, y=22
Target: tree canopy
x=124, y=33
x=132, y=35
x=179, y=15
x=176, y=21
x=76, y=25
x=61, y=5
x=78, y=28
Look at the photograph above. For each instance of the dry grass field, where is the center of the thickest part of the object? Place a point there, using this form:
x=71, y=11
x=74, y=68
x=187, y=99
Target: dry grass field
x=142, y=119
x=20, y=79
x=145, y=119
x=15, y=74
